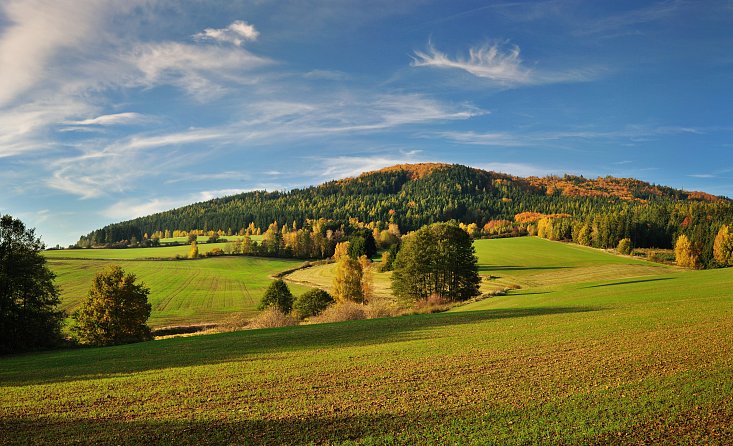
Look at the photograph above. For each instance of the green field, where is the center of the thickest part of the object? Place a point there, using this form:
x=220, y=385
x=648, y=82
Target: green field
x=181, y=292
x=593, y=349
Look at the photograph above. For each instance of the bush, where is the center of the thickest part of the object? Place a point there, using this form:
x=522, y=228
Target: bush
x=342, y=311
x=115, y=311
x=380, y=307
x=277, y=295
x=312, y=303
x=272, y=317
x=435, y=303
x=625, y=247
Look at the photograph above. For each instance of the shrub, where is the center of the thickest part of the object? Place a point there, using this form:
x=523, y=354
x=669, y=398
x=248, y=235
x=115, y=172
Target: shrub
x=435, y=303
x=277, y=295
x=272, y=317
x=312, y=303
x=625, y=247
x=342, y=311
x=115, y=311
x=380, y=307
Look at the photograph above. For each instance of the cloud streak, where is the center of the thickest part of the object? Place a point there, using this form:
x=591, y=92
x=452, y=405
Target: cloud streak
x=114, y=119
x=501, y=66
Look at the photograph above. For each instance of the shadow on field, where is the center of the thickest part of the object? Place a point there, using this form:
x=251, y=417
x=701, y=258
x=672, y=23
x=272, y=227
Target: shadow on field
x=311, y=429
x=94, y=363
x=631, y=281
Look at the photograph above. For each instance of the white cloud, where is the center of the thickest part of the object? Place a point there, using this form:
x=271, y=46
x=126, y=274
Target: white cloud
x=490, y=62
x=114, y=119
x=236, y=33
x=36, y=33
x=202, y=71
x=503, y=67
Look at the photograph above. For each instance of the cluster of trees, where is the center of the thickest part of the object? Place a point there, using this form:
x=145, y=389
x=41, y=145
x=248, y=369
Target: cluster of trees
x=309, y=304
x=660, y=225
x=437, y=259
x=115, y=311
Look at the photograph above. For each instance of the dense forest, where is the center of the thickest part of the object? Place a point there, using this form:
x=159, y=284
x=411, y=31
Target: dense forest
x=411, y=196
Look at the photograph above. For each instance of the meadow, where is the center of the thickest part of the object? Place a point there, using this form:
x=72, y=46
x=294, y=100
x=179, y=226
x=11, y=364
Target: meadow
x=592, y=349
x=182, y=292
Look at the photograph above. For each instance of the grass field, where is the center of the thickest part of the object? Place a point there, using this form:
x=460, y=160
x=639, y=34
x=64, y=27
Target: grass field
x=162, y=252
x=202, y=238
x=181, y=292
x=624, y=352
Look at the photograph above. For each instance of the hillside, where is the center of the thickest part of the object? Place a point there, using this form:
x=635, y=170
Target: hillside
x=412, y=195
x=593, y=349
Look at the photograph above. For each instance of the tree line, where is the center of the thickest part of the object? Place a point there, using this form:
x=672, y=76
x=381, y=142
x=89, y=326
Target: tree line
x=466, y=195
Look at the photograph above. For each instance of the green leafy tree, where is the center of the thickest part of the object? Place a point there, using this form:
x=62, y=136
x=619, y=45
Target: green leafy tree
x=277, y=295
x=116, y=310
x=312, y=303
x=436, y=259
x=29, y=317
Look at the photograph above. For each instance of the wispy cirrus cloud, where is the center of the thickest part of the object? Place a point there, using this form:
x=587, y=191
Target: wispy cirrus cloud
x=202, y=71
x=540, y=138
x=261, y=123
x=501, y=66
x=113, y=119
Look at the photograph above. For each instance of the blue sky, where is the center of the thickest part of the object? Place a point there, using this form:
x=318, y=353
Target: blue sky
x=112, y=110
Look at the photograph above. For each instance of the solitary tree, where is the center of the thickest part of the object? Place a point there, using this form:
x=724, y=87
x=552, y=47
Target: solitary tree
x=436, y=259
x=116, y=310
x=347, y=283
x=684, y=253
x=28, y=297
x=193, y=252
x=277, y=295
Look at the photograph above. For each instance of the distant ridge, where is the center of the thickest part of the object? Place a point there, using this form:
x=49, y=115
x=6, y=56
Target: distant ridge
x=412, y=195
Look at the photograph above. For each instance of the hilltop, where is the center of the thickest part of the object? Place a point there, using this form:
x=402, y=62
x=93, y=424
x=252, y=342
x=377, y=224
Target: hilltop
x=411, y=195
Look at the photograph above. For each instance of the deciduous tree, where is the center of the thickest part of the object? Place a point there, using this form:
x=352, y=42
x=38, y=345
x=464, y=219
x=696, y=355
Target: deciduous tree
x=347, y=284
x=116, y=310
x=29, y=317
x=723, y=246
x=684, y=253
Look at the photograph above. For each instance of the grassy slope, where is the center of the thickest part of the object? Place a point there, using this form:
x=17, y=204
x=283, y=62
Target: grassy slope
x=610, y=360
x=181, y=292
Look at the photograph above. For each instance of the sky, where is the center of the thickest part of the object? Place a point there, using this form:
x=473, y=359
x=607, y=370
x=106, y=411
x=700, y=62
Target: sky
x=115, y=109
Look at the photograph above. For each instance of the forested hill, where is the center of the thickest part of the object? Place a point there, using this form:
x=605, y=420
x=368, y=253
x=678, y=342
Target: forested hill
x=412, y=195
